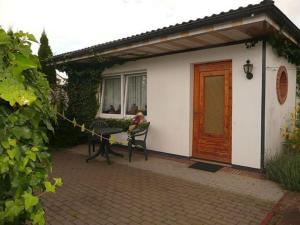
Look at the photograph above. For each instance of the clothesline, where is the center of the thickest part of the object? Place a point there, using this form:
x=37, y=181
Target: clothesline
x=82, y=127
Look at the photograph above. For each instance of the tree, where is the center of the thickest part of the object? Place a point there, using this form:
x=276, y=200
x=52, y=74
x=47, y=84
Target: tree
x=44, y=53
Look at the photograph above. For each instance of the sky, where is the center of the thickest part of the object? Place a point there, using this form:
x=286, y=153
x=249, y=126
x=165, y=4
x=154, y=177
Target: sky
x=75, y=24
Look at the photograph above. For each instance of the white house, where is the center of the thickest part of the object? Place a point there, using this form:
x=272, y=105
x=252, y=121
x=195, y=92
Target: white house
x=189, y=79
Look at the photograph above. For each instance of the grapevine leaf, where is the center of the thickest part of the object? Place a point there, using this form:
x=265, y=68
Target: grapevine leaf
x=12, y=153
x=5, y=144
x=23, y=63
x=12, y=209
x=35, y=149
x=31, y=155
x=14, y=92
x=31, y=38
x=12, y=142
x=30, y=200
x=48, y=125
x=38, y=218
x=58, y=182
x=49, y=187
x=21, y=132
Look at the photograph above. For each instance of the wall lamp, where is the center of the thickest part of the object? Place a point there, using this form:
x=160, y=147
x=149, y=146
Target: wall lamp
x=248, y=67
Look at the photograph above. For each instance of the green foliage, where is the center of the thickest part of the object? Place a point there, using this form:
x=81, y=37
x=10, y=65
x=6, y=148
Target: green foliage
x=285, y=48
x=66, y=135
x=291, y=133
x=120, y=123
x=285, y=169
x=25, y=118
x=82, y=87
x=288, y=50
x=59, y=97
x=44, y=53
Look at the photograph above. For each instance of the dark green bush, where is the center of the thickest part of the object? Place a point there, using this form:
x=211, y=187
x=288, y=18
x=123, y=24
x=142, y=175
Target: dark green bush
x=284, y=168
x=121, y=123
x=66, y=135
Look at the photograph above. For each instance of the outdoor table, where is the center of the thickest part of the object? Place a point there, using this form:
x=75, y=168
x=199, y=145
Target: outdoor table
x=104, y=148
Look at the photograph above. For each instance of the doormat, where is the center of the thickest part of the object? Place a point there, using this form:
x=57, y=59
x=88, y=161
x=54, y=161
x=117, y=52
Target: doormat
x=206, y=167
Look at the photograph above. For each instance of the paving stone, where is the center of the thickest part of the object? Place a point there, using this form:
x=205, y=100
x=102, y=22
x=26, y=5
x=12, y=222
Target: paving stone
x=97, y=193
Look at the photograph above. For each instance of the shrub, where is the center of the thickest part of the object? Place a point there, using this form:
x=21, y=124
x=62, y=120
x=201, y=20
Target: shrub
x=121, y=123
x=81, y=88
x=291, y=133
x=25, y=118
x=66, y=135
x=284, y=168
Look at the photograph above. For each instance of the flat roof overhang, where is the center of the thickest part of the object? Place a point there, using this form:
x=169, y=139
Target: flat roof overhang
x=236, y=26
x=230, y=32
x=252, y=28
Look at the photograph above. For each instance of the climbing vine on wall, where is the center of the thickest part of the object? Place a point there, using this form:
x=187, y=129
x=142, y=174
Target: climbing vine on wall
x=285, y=48
x=288, y=50
x=82, y=87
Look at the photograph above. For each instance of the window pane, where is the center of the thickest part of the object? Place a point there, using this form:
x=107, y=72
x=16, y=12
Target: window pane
x=136, y=94
x=214, y=105
x=112, y=96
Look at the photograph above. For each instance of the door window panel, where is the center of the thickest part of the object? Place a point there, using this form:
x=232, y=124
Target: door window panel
x=214, y=105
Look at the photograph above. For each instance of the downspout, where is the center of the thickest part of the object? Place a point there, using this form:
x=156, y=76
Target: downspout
x=263, y=105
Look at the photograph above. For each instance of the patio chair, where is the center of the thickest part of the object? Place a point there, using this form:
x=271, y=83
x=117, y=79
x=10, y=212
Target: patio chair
x=96, y=125
x=141, y=130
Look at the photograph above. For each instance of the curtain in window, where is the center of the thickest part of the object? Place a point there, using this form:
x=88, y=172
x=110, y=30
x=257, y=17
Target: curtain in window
x=112, y=96
x=136, y=94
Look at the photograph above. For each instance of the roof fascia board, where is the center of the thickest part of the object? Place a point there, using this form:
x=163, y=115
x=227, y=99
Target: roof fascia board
x=195, y=32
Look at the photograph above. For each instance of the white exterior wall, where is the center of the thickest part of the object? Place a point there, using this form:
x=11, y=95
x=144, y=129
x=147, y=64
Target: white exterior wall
x=170, y=96
x=277, y=115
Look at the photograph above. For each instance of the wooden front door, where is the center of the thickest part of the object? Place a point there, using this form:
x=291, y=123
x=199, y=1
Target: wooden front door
x=212, y=111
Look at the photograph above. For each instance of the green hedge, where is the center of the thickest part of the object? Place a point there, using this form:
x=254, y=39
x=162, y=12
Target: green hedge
x=284, y=168
x=66, y=135
x=121, y=123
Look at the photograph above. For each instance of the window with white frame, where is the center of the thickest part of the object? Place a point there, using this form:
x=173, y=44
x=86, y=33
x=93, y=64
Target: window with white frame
x=125, y=94
x=112, y=95
x=136, y=94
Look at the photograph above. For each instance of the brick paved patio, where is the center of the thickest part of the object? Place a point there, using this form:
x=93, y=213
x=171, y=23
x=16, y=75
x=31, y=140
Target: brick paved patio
x=96, y=193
